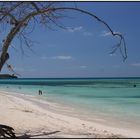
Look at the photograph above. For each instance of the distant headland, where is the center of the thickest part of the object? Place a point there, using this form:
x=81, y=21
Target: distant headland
x=7, y=76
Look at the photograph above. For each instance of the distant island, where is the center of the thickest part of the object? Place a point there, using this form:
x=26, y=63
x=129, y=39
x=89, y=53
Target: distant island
x=7, y=76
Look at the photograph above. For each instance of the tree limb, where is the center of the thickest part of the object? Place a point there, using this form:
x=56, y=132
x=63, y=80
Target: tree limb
x=49, y=13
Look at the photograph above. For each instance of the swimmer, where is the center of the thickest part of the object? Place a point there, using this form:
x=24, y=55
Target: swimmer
x=134, y=85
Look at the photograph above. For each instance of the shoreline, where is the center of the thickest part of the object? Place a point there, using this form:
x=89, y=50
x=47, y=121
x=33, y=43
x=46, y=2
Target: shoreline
x=38, y=118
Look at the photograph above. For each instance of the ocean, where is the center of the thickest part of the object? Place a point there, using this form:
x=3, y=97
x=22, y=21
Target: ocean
x=112, y=101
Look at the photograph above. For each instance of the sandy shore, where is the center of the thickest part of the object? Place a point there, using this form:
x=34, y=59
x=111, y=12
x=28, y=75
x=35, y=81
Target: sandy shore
x=34, y=118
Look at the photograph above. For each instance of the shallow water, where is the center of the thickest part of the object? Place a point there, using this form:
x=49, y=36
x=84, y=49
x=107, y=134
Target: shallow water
x=112, y=100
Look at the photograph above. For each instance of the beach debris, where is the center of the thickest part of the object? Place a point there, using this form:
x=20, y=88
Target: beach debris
x=28, y=111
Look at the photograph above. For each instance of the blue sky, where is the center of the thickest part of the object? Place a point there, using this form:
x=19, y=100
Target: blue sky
x=83, y=49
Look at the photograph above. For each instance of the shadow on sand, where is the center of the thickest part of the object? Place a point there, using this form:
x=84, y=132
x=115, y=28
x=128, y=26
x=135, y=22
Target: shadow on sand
x=26, y=136
x=8, y=132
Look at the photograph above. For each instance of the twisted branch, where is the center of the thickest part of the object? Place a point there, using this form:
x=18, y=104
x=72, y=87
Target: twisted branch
x=49, y=14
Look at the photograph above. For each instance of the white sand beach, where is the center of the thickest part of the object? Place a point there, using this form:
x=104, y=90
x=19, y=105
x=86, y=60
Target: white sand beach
x=33, y=118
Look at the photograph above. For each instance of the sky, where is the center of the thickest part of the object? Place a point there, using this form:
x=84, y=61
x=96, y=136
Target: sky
x=83, y=49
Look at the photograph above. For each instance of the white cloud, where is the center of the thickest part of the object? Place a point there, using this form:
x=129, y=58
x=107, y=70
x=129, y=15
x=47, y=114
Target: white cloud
x=135, y=64
x=112, y=54
x=44, y=57
x=18, y=69
x=59, y=57
x=62, y=57
x=75, y=29
x=83, y=67
x=117, y=32
x=105, y=33
x=87, y=33
x=51, y=45
x=79, y=29
x=116, y=66
x=30, y=69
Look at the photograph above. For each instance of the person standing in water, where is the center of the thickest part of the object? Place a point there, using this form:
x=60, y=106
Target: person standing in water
x=134, y=85
x=40, y=92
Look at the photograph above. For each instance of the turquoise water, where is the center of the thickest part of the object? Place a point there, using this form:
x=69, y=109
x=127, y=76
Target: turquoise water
x=110, y=98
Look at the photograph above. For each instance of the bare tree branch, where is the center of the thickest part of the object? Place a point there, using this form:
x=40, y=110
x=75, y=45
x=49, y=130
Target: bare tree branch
x=20, y=15
x=47, y=11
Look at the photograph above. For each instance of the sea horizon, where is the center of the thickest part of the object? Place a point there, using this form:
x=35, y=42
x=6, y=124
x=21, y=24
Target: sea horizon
x=126, y=77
